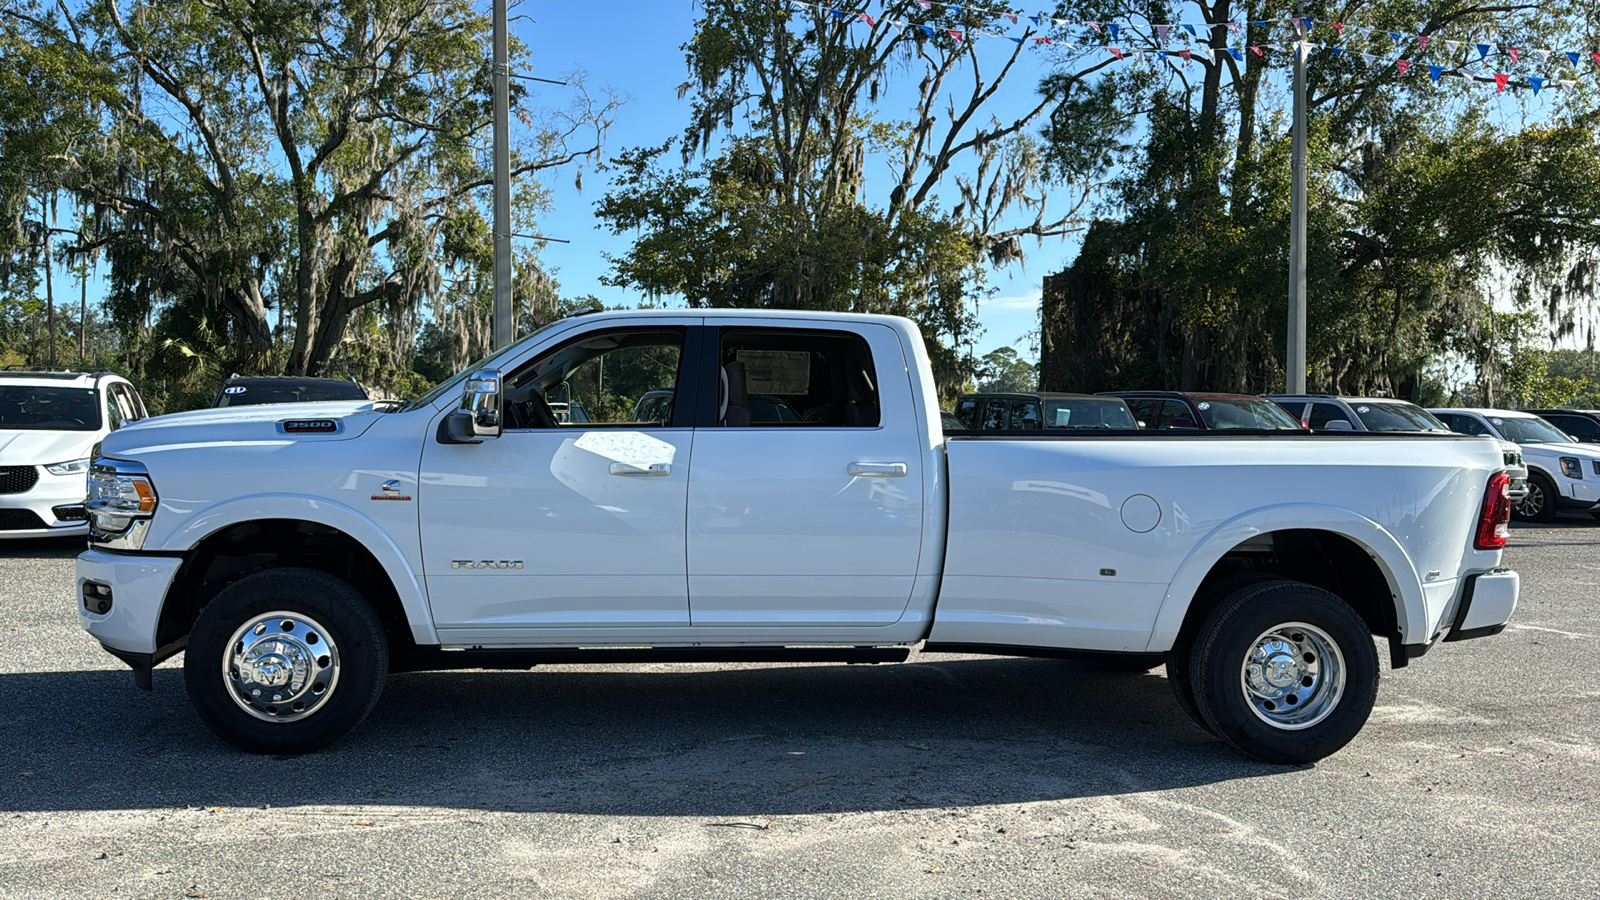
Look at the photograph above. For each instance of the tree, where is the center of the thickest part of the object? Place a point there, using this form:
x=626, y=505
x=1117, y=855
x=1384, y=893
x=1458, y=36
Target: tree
x=322, y=159
x=1004, y=371
x=781, y=212
x=1415, y=201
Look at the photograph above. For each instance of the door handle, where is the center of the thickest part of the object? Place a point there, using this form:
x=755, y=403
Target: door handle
x=656, y=469
x=876, y=470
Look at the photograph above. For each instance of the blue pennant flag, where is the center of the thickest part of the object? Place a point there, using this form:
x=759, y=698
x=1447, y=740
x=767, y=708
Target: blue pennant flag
x=1337, y=51
x=1234, y=52
x=1162, y=53
x=1115, y=29
x=1483, y=50
x=1434, y=72
x=1398, y=37
x=1017, y=39
x=1537, y=84
x=1307, y=22
x=839, y=14
x=1574, y=57
x=1259, y=24
x=928, y=29
x=1038, y=20
x=1190, y=29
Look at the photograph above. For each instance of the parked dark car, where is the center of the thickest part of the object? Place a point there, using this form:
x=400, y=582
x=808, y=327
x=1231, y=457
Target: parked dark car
x=995, y=411
x=1186, y=411
x=254, y=390
x=1583, y=424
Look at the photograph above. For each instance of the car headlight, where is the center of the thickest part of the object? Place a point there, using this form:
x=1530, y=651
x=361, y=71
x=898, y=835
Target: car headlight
x=70, y=467
x=1571, y=468
x=120, y=503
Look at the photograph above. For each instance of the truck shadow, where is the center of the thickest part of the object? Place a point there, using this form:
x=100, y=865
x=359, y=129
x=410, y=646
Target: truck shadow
x=649, y=740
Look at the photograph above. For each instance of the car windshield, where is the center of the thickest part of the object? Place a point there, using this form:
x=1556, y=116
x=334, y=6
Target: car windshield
x=1530, y=430
x=1396, y=417
x=39, y=407
x=289, y=392
x=1246, y=412
x=493, y=360
x=1087, y=412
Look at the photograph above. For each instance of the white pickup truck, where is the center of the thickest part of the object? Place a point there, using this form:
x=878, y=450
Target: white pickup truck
x=785, y=492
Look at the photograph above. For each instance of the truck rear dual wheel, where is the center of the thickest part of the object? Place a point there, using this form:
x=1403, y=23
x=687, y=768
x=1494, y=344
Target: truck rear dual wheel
x=286, y=661
x=1284, y=671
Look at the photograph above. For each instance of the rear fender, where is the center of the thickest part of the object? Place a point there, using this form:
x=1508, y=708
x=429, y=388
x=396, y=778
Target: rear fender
x=1391, y=558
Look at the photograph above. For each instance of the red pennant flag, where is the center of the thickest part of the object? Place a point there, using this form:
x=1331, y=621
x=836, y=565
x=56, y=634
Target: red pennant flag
x=1339, y=27
x=1422, y=41
x=869, y=20
x=1596, y=58
x=1185, y=54
x=955, y=34
x=1402, y=65
x=1116, y=51
x=1500, y=82
x=1039, y=40
x=1257, y=51
x=1514, y=52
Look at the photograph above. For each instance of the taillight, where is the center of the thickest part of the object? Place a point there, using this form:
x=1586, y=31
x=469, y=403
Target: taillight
x=1494, y=521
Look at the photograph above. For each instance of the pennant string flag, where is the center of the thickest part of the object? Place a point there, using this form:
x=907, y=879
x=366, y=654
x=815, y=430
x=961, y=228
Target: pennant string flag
x=1402, y=65
x=1434, y=72
x=1500, y=82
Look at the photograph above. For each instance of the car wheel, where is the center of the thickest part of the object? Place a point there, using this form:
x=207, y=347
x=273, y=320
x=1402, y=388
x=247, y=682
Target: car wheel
x=1178, y=658
x=286, y=661
x=1540, y=503
x=1285, y=672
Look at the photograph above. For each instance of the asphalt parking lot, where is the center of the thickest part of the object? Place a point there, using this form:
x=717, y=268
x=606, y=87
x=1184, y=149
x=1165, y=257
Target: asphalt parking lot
x=1477, y=776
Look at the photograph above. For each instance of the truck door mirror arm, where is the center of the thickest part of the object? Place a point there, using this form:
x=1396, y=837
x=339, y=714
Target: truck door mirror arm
x=479, y=417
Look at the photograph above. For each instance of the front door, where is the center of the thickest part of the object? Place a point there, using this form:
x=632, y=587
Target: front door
x=806, y=499
x=570, y=521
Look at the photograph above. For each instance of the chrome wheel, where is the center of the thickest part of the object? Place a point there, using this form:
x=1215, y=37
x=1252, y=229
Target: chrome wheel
x=281, y=666
x=1293, y=676
x=1531, y=505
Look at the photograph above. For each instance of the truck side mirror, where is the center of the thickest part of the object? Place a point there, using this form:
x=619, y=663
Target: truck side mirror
x=479, y=417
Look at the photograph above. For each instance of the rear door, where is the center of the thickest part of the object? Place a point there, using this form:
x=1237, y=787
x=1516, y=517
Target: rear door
x=816, y=522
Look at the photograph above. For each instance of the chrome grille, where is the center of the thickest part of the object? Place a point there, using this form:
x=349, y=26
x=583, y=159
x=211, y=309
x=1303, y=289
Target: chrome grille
x=16, y=479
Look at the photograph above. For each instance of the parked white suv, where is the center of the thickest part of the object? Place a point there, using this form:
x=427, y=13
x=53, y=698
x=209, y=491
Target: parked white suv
x=49, y=423
x=1562, y=473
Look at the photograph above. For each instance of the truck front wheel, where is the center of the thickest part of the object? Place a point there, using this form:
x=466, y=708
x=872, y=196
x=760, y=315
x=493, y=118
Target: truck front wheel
x=1284, y=671
x=285, y=661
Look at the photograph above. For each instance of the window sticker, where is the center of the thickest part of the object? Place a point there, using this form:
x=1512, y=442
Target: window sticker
x=1063, y=416
x=236, y=389
x=776, y=371
x=1363, y=409
x=1205, y=406
x=1498, y=421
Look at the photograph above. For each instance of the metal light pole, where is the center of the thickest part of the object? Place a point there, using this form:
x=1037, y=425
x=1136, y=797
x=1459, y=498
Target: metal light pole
x=502, y=334
x=1295, y=358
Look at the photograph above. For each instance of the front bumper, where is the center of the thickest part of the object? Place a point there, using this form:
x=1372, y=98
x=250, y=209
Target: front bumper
x=1579, y=493
x=131, y=589
x=1485, y=606
x=52, y=507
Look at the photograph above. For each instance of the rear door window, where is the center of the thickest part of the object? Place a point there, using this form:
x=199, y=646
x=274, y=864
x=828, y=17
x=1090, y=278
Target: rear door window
x=782, y=377
x=1145, y=409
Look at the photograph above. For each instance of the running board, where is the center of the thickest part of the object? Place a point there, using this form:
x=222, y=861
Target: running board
x=421, y=659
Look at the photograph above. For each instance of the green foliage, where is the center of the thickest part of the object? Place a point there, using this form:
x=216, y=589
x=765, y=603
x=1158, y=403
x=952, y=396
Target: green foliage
x=1003, y=370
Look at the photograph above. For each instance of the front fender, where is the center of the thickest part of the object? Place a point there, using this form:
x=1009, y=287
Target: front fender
x=1404, y=584
x=377, y=541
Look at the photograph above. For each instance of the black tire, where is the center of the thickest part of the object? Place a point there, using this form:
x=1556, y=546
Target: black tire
x=327, y=636
x=1542, y=502
x=1178, y=662
x=1319, y=672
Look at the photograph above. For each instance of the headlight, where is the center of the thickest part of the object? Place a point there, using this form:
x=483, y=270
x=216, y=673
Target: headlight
x=1571, y=468
x=70, y=467
x=121, y=501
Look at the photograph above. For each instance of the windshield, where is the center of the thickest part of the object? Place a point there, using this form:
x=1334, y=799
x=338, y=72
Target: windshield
x=38, y=407
x=289, y=392
x=1396, y=417
x=1087, y=413
x=1530, y=430
x=1246, y=412
x=491, y=361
